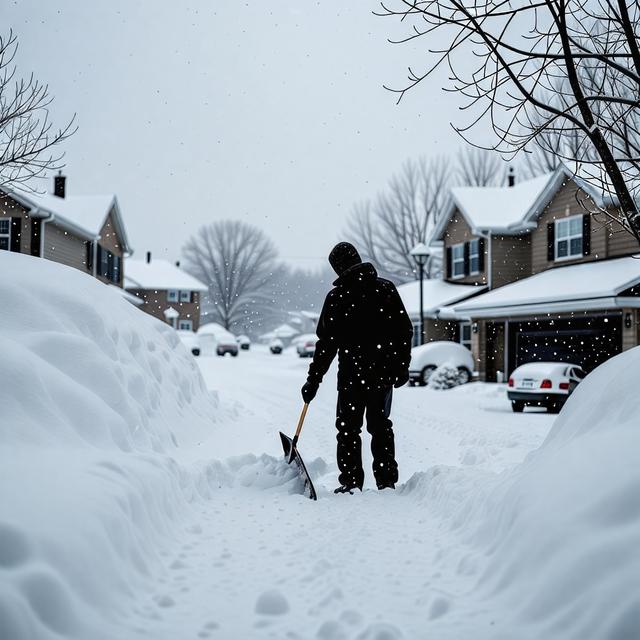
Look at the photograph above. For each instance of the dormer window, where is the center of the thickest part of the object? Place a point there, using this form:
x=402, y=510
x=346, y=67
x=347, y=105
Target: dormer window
x=457, y=260
x=568, y=238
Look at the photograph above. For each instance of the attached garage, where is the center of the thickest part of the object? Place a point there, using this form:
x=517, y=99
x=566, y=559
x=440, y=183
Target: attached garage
x=584, y=314
x=586, y=340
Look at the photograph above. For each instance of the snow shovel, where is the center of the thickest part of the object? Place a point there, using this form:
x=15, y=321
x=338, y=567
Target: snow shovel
x=291, y=454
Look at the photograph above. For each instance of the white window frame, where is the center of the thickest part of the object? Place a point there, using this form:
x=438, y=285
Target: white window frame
x=173, y=295
x=567, y=238
x=185, y=325
x=462, y=341
x=185, y=296
x=455, y=260
x=474, y=253
x=7, y=234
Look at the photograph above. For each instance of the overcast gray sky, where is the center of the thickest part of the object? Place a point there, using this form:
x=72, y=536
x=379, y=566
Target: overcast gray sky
x=194, y=111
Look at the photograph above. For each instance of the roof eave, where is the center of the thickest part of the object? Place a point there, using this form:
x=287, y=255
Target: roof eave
x=550, y=306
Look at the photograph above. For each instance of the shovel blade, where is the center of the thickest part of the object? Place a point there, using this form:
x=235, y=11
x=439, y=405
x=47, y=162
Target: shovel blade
x=291, y=454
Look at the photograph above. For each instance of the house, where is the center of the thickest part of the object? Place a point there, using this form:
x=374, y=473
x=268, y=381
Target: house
x=84, y=232
x=559, y=284
x=437, y=293
x=167, y=292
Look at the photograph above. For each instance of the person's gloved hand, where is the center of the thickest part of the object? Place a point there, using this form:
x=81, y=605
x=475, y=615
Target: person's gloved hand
x=309, y=390
x=401, y=379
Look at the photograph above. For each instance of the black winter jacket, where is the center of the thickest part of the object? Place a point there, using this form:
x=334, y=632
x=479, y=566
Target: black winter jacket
x=364, y=321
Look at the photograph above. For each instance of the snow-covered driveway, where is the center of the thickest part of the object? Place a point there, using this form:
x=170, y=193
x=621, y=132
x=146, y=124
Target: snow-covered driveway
x=260, y=561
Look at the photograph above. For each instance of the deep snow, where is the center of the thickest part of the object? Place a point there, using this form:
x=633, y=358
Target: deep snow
x=136, y=503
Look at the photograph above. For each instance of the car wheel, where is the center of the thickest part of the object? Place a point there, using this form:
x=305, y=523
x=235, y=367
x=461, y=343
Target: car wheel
x=464, y=375
x=517, y=406
x=196, y=352
x=234, y=353
x=426, y=374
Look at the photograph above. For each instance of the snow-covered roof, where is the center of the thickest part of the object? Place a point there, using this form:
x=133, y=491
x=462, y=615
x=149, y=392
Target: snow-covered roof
x=285, y=331
x=494, y=208
x=84, y=215
x=436, y=292
x=589, y=285
x=513, y=210
x=159, y=275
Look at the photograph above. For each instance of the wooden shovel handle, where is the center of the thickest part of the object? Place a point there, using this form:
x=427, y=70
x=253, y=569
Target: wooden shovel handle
x=301, y=420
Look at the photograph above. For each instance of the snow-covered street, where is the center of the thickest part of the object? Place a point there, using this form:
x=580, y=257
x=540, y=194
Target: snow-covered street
x=260, y=561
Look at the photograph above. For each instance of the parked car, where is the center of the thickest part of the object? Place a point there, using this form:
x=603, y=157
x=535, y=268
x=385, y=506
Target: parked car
x=306, y=345
x=244, y=342
x=276, y=346
x=426, y=358
x=215, y=339
x=190, y=340
x=544, y=384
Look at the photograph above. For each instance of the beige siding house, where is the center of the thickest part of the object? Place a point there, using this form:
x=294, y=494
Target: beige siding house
x=84, y=232
x=166, y=292
x=560, y=285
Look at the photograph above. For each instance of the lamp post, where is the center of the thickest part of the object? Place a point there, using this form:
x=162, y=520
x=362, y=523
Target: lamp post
x=420, y=254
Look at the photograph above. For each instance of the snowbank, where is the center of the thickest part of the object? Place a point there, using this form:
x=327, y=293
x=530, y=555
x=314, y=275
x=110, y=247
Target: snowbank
x=95, y=397
x=556, y=540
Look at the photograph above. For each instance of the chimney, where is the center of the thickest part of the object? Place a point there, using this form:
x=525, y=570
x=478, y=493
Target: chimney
x=148, y=257
x=59, y=185
x=511, y=177
x=178, y=263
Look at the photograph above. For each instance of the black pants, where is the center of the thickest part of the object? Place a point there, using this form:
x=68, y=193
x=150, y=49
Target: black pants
x=350, y=413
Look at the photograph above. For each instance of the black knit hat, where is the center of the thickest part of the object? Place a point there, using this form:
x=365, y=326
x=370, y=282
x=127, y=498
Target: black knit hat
x=343, y=256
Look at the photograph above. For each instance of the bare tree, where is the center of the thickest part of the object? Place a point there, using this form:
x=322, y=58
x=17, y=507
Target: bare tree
x=238, y=263
x=522, y=50
x=480, y=168
x=27, y=136
x=387, y=228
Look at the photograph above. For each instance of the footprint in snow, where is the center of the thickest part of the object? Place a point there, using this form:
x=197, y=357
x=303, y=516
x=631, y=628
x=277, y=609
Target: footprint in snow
x=380, y=631
x=272, y=603
x=438, y=608
x=164, y=601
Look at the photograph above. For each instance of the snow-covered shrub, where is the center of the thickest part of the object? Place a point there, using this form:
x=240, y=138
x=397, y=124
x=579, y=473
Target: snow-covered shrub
x=446, y=376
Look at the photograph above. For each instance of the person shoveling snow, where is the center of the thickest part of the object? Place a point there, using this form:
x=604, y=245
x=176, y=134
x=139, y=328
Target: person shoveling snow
x=364, y=322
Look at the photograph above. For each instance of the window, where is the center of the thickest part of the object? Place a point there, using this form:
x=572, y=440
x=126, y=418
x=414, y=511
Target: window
x=185, y=325
x=568, y=238
x=5, y=233
x=474, y=256
x=465, y=334
x=185, y=296
x=457, y=260
x=172, y=295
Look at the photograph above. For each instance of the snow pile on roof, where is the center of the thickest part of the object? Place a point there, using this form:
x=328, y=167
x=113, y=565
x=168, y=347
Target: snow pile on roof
x=585, y=281
x=499, y=207
x=159, y=275
x=87, y=212
x=436, y=292
x=96, y=398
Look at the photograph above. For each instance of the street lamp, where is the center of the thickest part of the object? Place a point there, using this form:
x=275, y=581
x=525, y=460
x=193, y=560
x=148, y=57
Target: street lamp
x=420, y=254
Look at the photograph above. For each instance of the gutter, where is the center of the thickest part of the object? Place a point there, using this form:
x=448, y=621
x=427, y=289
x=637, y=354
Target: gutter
x=545, y=308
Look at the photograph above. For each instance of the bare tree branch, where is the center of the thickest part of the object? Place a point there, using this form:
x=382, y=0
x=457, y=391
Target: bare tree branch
x=27, y=136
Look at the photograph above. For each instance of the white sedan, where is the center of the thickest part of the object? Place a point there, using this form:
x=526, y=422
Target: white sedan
x=545, y=384
x=190, y=340
x=426, y=358
x=306, y=345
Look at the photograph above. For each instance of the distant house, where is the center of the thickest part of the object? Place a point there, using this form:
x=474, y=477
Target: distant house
x=560, y=286
x=84, y=232
x=167, y=292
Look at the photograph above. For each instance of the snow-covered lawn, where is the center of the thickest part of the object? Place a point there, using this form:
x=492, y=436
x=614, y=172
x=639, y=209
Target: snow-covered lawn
x=144, y=495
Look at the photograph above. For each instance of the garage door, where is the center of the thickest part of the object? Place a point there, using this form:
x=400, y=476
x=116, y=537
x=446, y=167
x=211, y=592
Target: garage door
x=586, y=341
